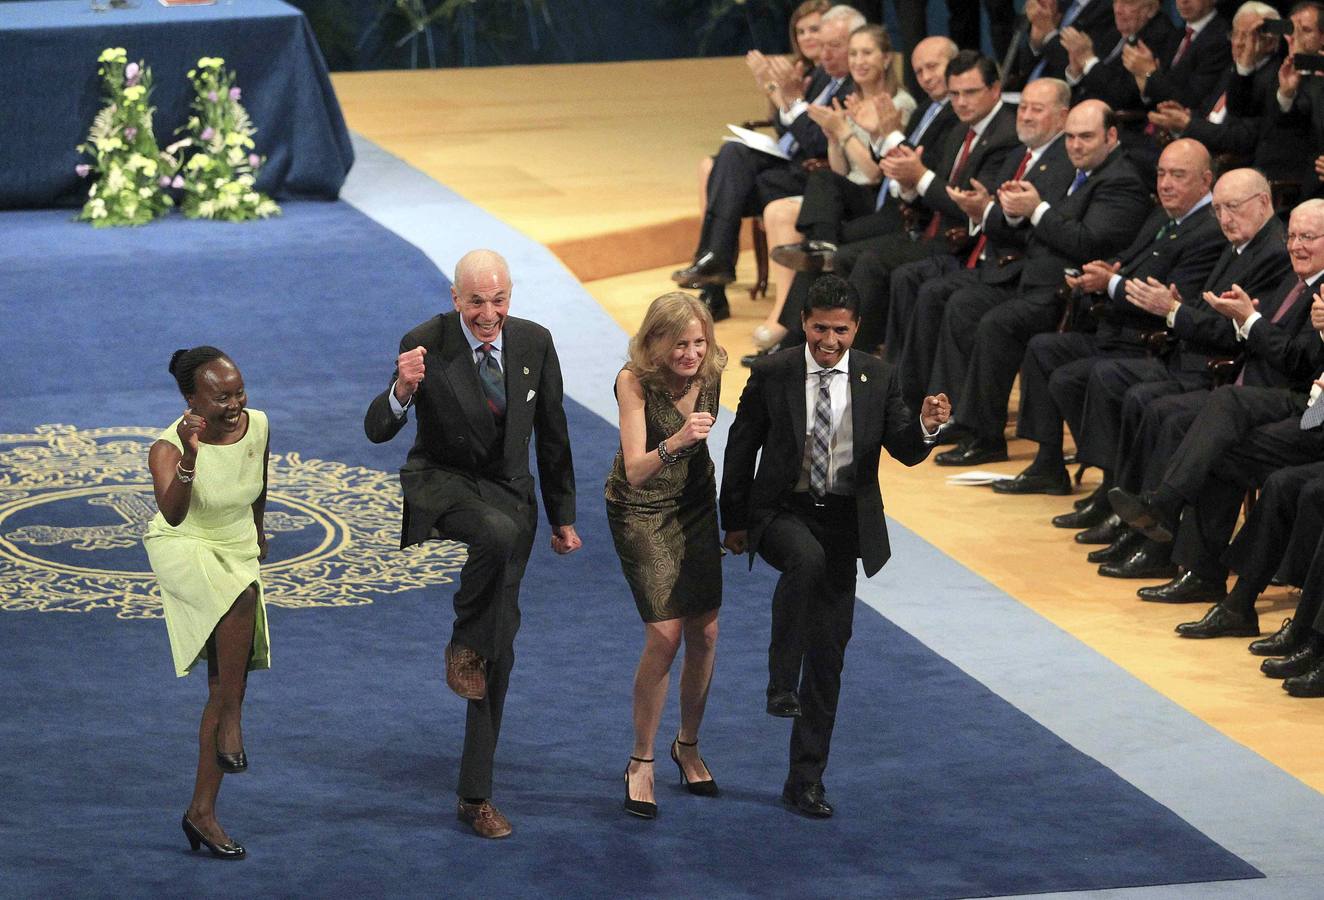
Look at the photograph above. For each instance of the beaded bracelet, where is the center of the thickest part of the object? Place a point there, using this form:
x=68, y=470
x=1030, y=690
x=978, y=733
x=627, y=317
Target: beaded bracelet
x=666, y=455
x=184, y=475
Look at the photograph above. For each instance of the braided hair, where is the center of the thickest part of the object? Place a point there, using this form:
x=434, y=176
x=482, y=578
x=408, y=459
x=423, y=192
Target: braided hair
x=184, y=365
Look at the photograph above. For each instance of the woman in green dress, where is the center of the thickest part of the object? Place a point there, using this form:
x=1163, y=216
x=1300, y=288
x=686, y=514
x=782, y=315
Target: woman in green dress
x=662, y=508
x=209, y=474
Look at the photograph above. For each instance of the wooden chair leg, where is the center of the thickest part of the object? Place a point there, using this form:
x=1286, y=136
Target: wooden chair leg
x=760, y=288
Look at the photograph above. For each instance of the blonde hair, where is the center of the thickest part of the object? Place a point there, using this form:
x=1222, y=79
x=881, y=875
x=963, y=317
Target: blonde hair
x=893, y=80
x=667, y=318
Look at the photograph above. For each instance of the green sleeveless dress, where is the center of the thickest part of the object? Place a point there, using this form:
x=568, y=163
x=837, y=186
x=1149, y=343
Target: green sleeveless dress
x=203, y=564
x=666, y=531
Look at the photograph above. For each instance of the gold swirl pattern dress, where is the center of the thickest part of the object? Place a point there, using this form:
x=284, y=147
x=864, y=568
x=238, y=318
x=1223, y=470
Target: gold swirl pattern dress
x=666, y=531
x=207, y=561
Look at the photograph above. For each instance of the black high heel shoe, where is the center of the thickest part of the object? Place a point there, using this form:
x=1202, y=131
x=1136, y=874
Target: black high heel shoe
x=232, y=763
x=228, y=850
x=700, y=788
x=641, y=808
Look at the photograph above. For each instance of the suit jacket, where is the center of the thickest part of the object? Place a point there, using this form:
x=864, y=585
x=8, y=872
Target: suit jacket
x=1287, y=353
x=457, y=437
x=811, y=142
x=1202, y=331
x=1184, y=256
x=933, y=138
x=1051, y=176
x=1098, y=219
x=987, y=158
x=1192, y=80
x=771, y=418
x=1109, y=81
x=1253, y=133
x=1096, y=20
x=1307, y=114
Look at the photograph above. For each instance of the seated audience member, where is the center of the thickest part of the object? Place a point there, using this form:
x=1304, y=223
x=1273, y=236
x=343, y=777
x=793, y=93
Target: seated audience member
x=1119, y=389
x=1198, y=64
x=837, y=211
x=1300, y=101
x=876, y=71
x=1040, y=53
x=743, y=181
x=1243, y=125
x=1098, y=214
x=1178, y=244
x=920, y=291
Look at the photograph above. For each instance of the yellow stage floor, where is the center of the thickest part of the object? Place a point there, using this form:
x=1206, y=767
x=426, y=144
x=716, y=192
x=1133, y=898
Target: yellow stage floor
x=599, y=163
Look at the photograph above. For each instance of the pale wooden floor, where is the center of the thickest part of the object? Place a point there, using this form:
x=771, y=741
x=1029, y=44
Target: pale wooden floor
x=587, y=154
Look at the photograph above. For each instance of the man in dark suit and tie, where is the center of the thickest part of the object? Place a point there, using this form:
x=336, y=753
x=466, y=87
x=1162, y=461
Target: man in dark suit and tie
x=481, y=383
x=1178, y=244
x=743, y=180
x=1097, y=214
x=1194, y=72
x=816, y=418
x=1040, y=53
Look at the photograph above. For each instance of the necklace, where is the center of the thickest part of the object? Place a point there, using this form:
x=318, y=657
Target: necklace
x=689, y=382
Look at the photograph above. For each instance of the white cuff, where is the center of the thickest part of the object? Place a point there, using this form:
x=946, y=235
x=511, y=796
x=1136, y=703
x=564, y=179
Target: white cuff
x=395, y=404
x=790, y=115
x=1114, y=284
x=1284, y=103
x=1089, y=65
x=1243, y=70
x=1038, y=212
x=1243, y=330
x=1171, y=317
x=922, y=186
x=889, y=143
x=929, y=436
x=983, y=219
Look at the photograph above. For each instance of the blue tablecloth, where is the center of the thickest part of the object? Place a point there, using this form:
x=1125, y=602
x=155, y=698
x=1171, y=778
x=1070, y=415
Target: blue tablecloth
x=50, y=90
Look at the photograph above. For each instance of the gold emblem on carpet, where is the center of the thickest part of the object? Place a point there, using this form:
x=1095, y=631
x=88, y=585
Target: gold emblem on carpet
x=74, y=504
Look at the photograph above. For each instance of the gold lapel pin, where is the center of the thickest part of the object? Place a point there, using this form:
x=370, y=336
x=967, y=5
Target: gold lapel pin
x=863, y=377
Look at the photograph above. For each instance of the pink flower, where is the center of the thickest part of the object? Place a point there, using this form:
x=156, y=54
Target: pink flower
x=234, y=93
x=82, y=169
x=178, y=182
x=131, y=73
x=211, y=95
x=207, y=133
x=130, y=133
x=164, y=181
x=254, y=160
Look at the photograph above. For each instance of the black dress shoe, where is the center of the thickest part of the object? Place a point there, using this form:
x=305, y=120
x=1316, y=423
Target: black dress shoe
x=714, y=297
x=808, y=800
x=1302, y=661
x=1143, y=514
x=1187, y=588
x=783, y=704
x=749, y=358
x=1283, y=642
x=1100, y=493
x=1150, y=561
x=1310, y=684
x=1121, y=549
x=1221, y=622
x=705, y=271
x=1058, y=483
x=973, y=453
x=1096, y=509
x=806, y=256
x=228, y=850
x=1107, y=531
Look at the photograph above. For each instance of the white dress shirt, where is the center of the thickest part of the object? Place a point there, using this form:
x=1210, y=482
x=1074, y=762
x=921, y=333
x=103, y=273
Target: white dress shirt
x=840, y=447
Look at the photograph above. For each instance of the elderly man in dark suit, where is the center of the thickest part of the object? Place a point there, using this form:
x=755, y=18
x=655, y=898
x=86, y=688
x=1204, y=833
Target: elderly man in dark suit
x=1097, y=214
x=1178, y=244
x=481, y=383
x=816, y=418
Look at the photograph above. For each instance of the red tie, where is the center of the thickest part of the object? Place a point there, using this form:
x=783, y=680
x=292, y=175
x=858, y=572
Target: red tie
x=957, y=168
x=1185, y=45
x=983, y=238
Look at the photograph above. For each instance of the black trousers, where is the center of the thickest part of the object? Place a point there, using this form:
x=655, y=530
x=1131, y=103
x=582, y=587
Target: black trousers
x=1152, y=435
x=1280, y=533
x=907, y=282
x=1001, y=337
x=498, y=525
x=958, y=303
x=1118, y=390
x=742, y=182
x=813, y=609
x=837, y=209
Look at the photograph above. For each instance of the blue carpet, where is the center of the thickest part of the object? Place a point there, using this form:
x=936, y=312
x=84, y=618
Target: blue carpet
x=942, y=789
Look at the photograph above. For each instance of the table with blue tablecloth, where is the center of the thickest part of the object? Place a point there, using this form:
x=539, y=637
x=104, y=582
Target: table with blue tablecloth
x=50, y=90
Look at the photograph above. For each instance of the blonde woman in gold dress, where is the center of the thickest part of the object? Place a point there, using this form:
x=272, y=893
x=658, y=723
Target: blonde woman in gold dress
x=662, y=508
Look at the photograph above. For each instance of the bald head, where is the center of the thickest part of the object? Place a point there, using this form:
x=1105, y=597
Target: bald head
x=929, y=60
x=1184, y=176
x=481, y=293
x=477, y=263
x=1091, y=136
x=1242, y=203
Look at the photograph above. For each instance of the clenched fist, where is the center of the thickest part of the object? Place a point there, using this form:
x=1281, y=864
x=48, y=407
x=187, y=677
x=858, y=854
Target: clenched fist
x=409, y=371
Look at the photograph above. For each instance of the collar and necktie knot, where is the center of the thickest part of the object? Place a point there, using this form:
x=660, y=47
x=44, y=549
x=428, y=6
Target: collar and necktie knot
x=494, y=383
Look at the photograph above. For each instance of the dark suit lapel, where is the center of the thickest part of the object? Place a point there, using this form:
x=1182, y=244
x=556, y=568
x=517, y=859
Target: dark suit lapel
x=859, y=406
x=462, y=376
x=519, y=379
x=795, y=398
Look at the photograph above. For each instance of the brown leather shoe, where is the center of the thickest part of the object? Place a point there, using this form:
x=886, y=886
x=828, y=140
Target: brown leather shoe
x=485, y=818
x=464, y=672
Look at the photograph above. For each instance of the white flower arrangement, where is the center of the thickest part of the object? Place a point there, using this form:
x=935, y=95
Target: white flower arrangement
x=131, y=171
x=218, y=179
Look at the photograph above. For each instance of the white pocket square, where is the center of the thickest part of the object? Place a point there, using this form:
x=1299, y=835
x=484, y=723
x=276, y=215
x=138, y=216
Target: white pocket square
x=530, y=397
